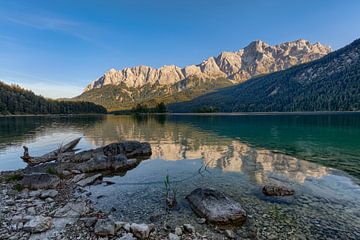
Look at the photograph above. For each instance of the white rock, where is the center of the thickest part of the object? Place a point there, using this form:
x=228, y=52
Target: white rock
x=38, y=224
x=230, y=234
x=119, y=225
x=141, y=231
x=78, y=178
x=127, y=227
x=189, y=228
x=72, y=209
x=89, y=180
x=75, y=171
x=178, y=231
x=173, y=236
x=49, y=193
x=127, y=236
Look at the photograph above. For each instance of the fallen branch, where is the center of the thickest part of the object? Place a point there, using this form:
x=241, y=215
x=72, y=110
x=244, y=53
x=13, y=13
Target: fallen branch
x=66, y=150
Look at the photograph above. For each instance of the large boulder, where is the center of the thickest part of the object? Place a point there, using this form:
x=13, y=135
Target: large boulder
x=131, y=149
x=102, y=163
x=275, y=190
x=216, y=207
x=40, y=181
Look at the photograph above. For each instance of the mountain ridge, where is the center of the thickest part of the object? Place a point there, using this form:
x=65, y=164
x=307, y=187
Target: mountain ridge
x=331, y=83
x=124, y=89
x=236, y=66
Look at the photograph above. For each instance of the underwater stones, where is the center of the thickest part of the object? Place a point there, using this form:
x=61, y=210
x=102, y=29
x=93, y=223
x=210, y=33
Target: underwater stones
x=275, y=190
x=40, y=181
x=216, y=207
x=104, y=227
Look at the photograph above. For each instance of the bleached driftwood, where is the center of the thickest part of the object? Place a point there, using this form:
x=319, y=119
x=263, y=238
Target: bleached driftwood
x=63, y=151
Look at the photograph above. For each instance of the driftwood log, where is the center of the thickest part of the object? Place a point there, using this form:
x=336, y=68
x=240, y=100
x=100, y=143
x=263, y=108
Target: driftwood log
x=64, y=151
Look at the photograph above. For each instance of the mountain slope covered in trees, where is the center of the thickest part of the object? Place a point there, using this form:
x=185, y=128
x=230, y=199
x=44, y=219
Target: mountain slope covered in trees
x=331, y=83
x=16, y=100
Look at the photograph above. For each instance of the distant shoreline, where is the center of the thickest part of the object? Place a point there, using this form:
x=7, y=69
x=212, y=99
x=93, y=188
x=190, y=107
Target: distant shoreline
x=188, y=114
x=55, y=115
x=265, y=113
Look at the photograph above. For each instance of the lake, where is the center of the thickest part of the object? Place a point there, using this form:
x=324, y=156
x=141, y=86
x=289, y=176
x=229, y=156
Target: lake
x=318, y=155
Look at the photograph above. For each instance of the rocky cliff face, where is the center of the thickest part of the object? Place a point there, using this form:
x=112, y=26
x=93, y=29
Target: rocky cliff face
x=256, y=59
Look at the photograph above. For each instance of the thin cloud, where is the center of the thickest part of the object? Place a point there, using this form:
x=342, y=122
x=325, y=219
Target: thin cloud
x=43, y=21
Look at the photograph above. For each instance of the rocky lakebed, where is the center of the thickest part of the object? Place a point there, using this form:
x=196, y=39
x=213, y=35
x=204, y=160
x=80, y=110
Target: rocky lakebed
x=52, y=199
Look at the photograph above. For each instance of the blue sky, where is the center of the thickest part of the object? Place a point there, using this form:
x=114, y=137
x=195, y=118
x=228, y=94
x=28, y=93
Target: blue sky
x=56, y=47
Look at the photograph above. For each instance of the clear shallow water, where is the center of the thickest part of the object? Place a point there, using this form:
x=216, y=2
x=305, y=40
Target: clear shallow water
x=241, y=154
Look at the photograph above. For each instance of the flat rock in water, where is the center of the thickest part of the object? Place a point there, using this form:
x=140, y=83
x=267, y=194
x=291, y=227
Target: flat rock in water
x=216, y=207
x=40, y=181
x=89, y=180
x=275, y=190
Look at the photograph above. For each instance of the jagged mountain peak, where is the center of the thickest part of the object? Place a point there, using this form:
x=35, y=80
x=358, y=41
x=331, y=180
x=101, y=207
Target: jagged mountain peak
x=256, y=58
x=143, y=83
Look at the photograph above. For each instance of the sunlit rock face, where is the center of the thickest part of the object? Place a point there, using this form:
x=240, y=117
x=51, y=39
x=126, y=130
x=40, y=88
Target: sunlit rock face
x=255, y=59
x=174, y=142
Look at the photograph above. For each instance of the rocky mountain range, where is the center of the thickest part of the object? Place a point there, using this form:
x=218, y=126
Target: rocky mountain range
x=143, y=84
x=331, y=83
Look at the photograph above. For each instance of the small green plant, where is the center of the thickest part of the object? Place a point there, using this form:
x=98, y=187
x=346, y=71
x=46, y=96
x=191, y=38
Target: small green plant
x=18, y=187
x=51, y=170
x=170, y=193
x=14, y=177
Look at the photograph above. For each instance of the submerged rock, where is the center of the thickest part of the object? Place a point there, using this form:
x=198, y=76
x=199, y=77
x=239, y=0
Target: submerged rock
x=274, y=190
x=38, y=224
x=40, y=181
x=216, y=207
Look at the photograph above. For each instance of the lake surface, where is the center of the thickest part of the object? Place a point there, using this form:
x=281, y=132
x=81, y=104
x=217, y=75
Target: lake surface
x=317, y=155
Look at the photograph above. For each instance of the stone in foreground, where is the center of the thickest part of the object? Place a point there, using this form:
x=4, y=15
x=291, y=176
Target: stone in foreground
x=89, y=180
x=141, y=231
x=104, y=227
x=38, y=224
x=274, y=190
x=216, y=207
x=40, y=181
